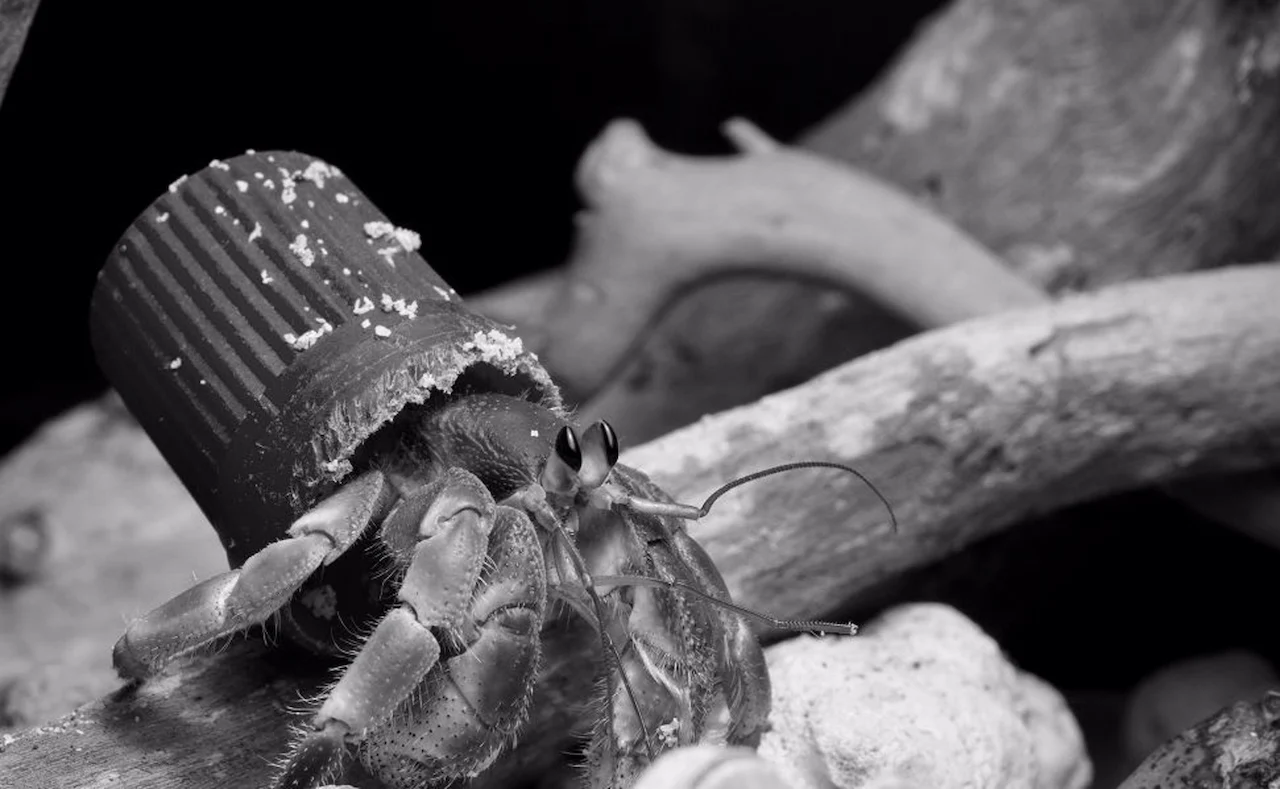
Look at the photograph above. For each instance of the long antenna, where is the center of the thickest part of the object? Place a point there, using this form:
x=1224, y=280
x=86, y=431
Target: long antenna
x=689, y=512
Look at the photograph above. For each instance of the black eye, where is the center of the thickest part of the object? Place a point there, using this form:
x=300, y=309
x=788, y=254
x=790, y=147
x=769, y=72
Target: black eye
x=567, y=448
x=610, y=442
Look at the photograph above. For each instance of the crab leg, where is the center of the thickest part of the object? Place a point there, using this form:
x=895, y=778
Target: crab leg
x=475, y=575
x=473, y=704
x=247, y=596
x=744, y=675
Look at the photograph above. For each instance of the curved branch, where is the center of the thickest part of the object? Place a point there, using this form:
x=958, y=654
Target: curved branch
x=659, y=222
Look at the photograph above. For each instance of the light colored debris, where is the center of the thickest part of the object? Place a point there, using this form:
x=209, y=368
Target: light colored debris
x=494, y=346
x=256, y=233
x=321, y=601
x=408, y=239
x=399, y=306
x=243, y=186
x=341, y=198
x=219, y=164
x=301, y=251
x=175, y=364
x=381, y=331
x=288, y=187
x=267, y=279
x=377, y=229
x=173, y=187
x=318, y=171
x=363, y=304
x=309, y=338
x=163, y=217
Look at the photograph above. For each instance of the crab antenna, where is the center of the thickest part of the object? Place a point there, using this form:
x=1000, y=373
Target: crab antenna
x=689, y=512
x=816, y=626
x=584, y=577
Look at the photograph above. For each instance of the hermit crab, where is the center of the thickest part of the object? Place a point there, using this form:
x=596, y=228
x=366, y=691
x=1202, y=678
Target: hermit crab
x=411, y=495
x=489, y=507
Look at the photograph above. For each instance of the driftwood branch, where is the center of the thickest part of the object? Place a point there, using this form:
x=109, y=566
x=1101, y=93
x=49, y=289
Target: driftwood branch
x=972, y=428
x=661, y=222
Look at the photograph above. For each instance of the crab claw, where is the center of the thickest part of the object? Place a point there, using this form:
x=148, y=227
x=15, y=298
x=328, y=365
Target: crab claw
x=599, y=454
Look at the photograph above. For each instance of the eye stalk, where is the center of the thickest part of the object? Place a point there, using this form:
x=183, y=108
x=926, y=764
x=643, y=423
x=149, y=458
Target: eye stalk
x=560, y=474
x=599, y=454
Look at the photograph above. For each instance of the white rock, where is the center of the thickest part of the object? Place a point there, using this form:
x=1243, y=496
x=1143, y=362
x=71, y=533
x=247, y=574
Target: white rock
x=921, y=698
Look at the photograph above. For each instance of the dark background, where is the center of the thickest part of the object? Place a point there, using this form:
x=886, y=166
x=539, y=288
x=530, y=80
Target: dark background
x=463, y=121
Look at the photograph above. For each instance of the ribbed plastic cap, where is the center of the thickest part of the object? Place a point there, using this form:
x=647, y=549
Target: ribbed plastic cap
x=262, y=319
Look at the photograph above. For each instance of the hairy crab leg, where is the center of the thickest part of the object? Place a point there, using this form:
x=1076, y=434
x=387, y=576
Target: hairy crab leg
x=743, y=672
x=472, y=705
x=247, y=596
x=671, y=659
x=474, y=574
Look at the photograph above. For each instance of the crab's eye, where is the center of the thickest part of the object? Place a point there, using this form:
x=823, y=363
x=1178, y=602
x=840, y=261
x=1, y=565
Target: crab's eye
x=610, y=442
x=568, y=449
x=599, y=454
x=560, y=474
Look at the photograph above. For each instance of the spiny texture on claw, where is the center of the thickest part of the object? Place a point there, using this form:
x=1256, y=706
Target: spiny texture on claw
x=446, y=552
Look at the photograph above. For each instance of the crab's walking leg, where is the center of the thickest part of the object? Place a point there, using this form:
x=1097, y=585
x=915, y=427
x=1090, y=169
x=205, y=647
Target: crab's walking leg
x=476, y=575
x=744, y=675
x=247, y=596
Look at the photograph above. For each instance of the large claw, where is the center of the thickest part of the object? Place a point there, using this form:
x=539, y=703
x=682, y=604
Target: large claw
x=247, y=596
